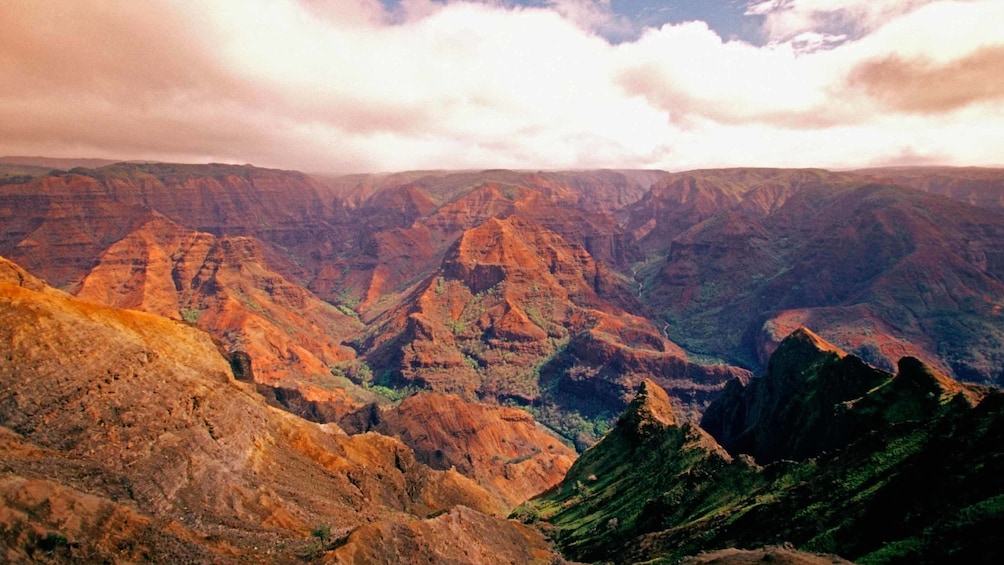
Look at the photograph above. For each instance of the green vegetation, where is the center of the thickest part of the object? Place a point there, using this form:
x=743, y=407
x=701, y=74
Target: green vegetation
x=627, y=485
x=347, y=311
x=19, y=174
x=322, y=532
x=356, y=371
x=346, y=299
x=250, y=303
x=580, y=431
x=919, y=482
x=510, y=191
x=359, y=373
x=472, y=362
x=392, y=394
x=534, y=315
x=456, y=326
x=190, y=315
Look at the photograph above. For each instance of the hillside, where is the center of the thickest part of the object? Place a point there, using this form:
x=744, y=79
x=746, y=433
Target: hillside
x=978, y=186
x=382, y=354
x=125, y=438
x=740, y=259
x=823, y=452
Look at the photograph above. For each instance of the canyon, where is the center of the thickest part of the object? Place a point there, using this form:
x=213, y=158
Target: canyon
x=369, y=368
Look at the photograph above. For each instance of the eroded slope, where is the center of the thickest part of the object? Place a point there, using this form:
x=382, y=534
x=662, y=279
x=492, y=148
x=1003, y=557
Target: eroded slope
x=127, y=438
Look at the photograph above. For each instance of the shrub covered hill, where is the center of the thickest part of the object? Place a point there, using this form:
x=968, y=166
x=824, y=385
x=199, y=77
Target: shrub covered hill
x=824, y=453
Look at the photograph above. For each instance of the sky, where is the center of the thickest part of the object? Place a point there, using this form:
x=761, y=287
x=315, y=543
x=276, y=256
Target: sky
x=347, y=86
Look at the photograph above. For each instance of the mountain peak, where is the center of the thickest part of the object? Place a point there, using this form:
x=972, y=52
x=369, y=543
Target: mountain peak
x=856, y=446
x=649, y=411
x=805, y=339
x=791, y=412
x=792, y=362
x=916, y=393
x=924, y=378
x=12, y=273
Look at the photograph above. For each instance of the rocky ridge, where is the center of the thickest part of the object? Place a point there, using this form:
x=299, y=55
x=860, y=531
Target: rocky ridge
x=823, y=453
x=503, y=449
x=884, y=271
x=518, y=313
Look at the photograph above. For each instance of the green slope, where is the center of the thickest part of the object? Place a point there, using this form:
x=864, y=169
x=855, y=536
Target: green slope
x=911, y=471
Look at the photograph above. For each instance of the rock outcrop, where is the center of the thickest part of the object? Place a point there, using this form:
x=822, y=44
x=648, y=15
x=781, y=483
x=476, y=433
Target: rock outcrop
x=516, y=312
x=609, y=496
x=225, y=286
x=792, y=411
x=459, y=536
x=502, y=449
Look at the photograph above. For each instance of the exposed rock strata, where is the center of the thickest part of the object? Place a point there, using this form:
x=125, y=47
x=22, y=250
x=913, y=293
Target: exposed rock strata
x=130, y=429
x=503, y=449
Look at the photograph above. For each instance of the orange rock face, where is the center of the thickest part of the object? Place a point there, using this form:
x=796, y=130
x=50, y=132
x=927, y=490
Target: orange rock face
x=241, y=252
x=543, y=288
x=226, y=287
x=503, y=449
x=129, y=426
x=516, y=312
x=460, y=536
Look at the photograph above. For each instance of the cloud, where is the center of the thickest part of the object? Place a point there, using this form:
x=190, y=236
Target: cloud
x=832, y=22
x=593, y=15
x=348, y=85
x=106, y=77
x=921, y=86
x=690, y=73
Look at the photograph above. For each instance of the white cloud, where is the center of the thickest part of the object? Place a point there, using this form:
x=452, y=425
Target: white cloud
x=785, y=20
x=689, y=72
x=345, y=85
x=593, y=15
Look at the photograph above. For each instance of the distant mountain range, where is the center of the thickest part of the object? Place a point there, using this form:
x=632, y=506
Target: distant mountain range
x=426, y=324
x=51, y=163
x=524, y=287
